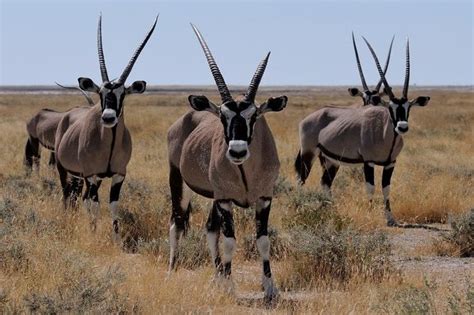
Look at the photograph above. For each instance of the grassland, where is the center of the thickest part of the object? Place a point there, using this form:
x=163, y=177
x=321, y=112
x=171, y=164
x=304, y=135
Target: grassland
x=329, y=256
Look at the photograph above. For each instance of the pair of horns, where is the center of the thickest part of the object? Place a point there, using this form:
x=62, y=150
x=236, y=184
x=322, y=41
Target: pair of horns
x=361, y=73
x=221, y=85
x=382, y=73
x=103, y=69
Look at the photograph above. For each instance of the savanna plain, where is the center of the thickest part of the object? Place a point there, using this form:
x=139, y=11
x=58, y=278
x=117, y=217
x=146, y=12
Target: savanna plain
x=329, y=256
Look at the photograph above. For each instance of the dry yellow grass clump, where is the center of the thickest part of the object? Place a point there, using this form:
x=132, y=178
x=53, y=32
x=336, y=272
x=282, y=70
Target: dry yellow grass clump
x=329, y=256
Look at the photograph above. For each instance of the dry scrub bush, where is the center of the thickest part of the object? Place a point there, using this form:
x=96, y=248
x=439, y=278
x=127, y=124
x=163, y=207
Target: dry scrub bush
x=460, y=240
x=324, y=246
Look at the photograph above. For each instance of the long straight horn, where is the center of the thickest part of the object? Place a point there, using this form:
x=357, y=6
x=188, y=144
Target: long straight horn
x=407, y=72
x=103, y=68
x=257, y=77
x=134, y=58
x=216, y=73
x=379, y=68
x=361, y=73
x=377, y=88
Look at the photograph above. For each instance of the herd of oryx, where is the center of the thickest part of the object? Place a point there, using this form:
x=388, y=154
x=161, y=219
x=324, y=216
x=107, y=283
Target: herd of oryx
x=224, y=152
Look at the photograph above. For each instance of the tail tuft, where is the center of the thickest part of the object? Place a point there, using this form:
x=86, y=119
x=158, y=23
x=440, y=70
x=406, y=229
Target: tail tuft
x=303, y=165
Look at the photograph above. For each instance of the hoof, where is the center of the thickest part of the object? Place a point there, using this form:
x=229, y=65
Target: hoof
x=392, y=223
x=270, y=290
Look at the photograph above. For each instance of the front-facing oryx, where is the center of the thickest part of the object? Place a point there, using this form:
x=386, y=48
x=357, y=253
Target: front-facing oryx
x=370, y=135
x=98, y=144
x=226, y=153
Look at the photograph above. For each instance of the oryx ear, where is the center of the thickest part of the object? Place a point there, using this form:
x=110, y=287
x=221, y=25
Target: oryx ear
x=200, y=103
x=88, y=85
x=137, y=87
x=376, y=100
x=354, y=92
x=273, y=104
x=420, y=101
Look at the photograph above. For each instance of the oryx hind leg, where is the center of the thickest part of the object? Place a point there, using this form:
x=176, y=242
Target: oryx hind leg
x=32, y=154
x=329, y=173
x=386, y=178
x=91, y=199
x=303, y=164
x=181, y=208
x=66, y=187
x=117, y=181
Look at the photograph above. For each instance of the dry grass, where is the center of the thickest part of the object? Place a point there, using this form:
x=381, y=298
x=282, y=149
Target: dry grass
x=51, y=262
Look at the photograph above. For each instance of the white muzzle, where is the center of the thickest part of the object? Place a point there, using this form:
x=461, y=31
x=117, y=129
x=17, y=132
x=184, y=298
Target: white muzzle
x=109, y=118
x=238, y=151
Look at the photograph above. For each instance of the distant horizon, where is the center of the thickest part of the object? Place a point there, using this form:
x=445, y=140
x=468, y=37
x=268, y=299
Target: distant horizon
x=48, y=40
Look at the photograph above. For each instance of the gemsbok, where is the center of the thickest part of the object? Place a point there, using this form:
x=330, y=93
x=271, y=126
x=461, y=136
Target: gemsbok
x=370, y=135
x=41, y=129
x=98, y=144
x=369, y=97
x=226, y=153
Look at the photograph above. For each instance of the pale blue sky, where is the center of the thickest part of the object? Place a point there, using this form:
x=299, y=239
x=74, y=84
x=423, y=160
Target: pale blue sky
x=47, y=41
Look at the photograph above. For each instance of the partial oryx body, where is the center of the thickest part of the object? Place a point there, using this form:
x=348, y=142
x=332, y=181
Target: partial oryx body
x=226, y=153
x=98, y=144
x=369, y=135
x=41, y=129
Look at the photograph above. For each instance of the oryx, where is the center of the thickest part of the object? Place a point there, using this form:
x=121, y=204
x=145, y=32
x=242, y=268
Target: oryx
x=226, y=153
x=369, y=97
x=98, y=144
x=41, y=129
x=370, y=135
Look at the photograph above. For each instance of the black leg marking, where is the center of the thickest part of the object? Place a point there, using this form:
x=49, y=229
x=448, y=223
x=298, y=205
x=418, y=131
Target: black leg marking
x=303, y=165
x=179, y=216
x=266, y=269
x=117, y=181
x=330, y=171
x=369, y=173
x=213, y=225
x=387, y=176
x=64, y=183
x=115, y=191
x=227, y=222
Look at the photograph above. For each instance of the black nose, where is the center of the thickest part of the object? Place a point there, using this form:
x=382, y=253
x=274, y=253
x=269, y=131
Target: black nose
x=108, y=119
x=403, y=129
x=238, y=154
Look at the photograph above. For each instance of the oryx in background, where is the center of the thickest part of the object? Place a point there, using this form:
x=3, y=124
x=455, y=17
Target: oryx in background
x=368, y=96
x=370, y=135
x=41, y=129
x=98, y=144
x=226, y=153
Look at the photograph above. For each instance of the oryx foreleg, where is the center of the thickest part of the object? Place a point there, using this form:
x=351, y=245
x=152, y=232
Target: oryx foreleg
x=117, y=181
x=386, y=177
x=369, y=180
x=213, y=227
x=263, y=244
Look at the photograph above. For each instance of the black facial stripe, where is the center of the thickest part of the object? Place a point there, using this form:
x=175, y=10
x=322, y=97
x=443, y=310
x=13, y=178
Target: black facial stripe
x=238, y=128
x=401, y=113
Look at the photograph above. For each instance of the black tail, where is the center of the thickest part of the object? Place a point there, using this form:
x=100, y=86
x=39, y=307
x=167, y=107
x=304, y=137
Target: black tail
x=52, y=160
x=32, y=153
x=303, y=165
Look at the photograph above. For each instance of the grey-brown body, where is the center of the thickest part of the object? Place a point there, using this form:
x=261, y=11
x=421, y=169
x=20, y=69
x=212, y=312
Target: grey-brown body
x=361, y=135
x=87, y=148
x=197, y=147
